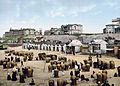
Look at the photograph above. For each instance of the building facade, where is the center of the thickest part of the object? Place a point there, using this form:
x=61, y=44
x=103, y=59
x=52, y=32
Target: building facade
x=72, y=28
x=22, y=32
x=65, y=30
x=18, y=35
x=112, y=28
x=116, y=21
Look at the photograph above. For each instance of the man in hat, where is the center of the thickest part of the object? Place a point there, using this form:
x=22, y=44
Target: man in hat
x=14, y=78
x=8, y=76
x=21, y=77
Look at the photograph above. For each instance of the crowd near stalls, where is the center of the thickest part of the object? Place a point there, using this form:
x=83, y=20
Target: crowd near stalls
x=70, y=47
x=57, y=66
x=97, y=46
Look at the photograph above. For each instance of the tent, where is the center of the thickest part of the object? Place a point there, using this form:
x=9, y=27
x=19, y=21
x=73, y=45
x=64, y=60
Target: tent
x=75, y=43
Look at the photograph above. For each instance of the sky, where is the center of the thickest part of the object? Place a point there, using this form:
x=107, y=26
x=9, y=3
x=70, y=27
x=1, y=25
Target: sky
x=44, y=14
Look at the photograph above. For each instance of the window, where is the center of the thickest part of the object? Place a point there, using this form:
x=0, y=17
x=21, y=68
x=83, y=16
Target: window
x=75, y=27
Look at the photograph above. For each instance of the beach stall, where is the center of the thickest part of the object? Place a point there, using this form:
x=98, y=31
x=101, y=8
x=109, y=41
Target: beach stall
x=51, y=48
x=98, y=46
x=84, y=49
x=64, y=48
x=55, y=47
x=38, y=46
x=75, y=45
x=59, y=47
x=30, y=45
x=45, y=46
x=42, y=46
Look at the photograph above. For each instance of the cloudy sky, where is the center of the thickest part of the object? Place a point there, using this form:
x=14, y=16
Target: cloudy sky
x=92, y=14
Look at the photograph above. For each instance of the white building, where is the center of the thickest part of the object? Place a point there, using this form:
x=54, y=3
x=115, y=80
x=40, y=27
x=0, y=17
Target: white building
x=112, y=28
x=77, y=45
x=72, y=28
x=98, y=46
x=116, y=21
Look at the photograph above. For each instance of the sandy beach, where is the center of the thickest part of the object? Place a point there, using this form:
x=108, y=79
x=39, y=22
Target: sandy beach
x=41, y=77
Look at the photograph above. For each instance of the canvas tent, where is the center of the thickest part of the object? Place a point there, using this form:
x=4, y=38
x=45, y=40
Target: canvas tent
x=77, y=45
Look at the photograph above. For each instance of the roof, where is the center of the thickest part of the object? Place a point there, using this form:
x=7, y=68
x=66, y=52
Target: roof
x=71, y=25
x=75, y=43
x=98, y=41
x=116, y=20
x=62, y=38
x=112, y=25
x=28, y=29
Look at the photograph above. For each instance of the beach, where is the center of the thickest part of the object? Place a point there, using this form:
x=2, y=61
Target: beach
x=41, y=76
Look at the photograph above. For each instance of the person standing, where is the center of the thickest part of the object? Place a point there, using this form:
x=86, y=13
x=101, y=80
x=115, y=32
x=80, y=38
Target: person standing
x=73, y=50
x=22, y=63
x=14, y=78
x=8, y=76
x=21, y=75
